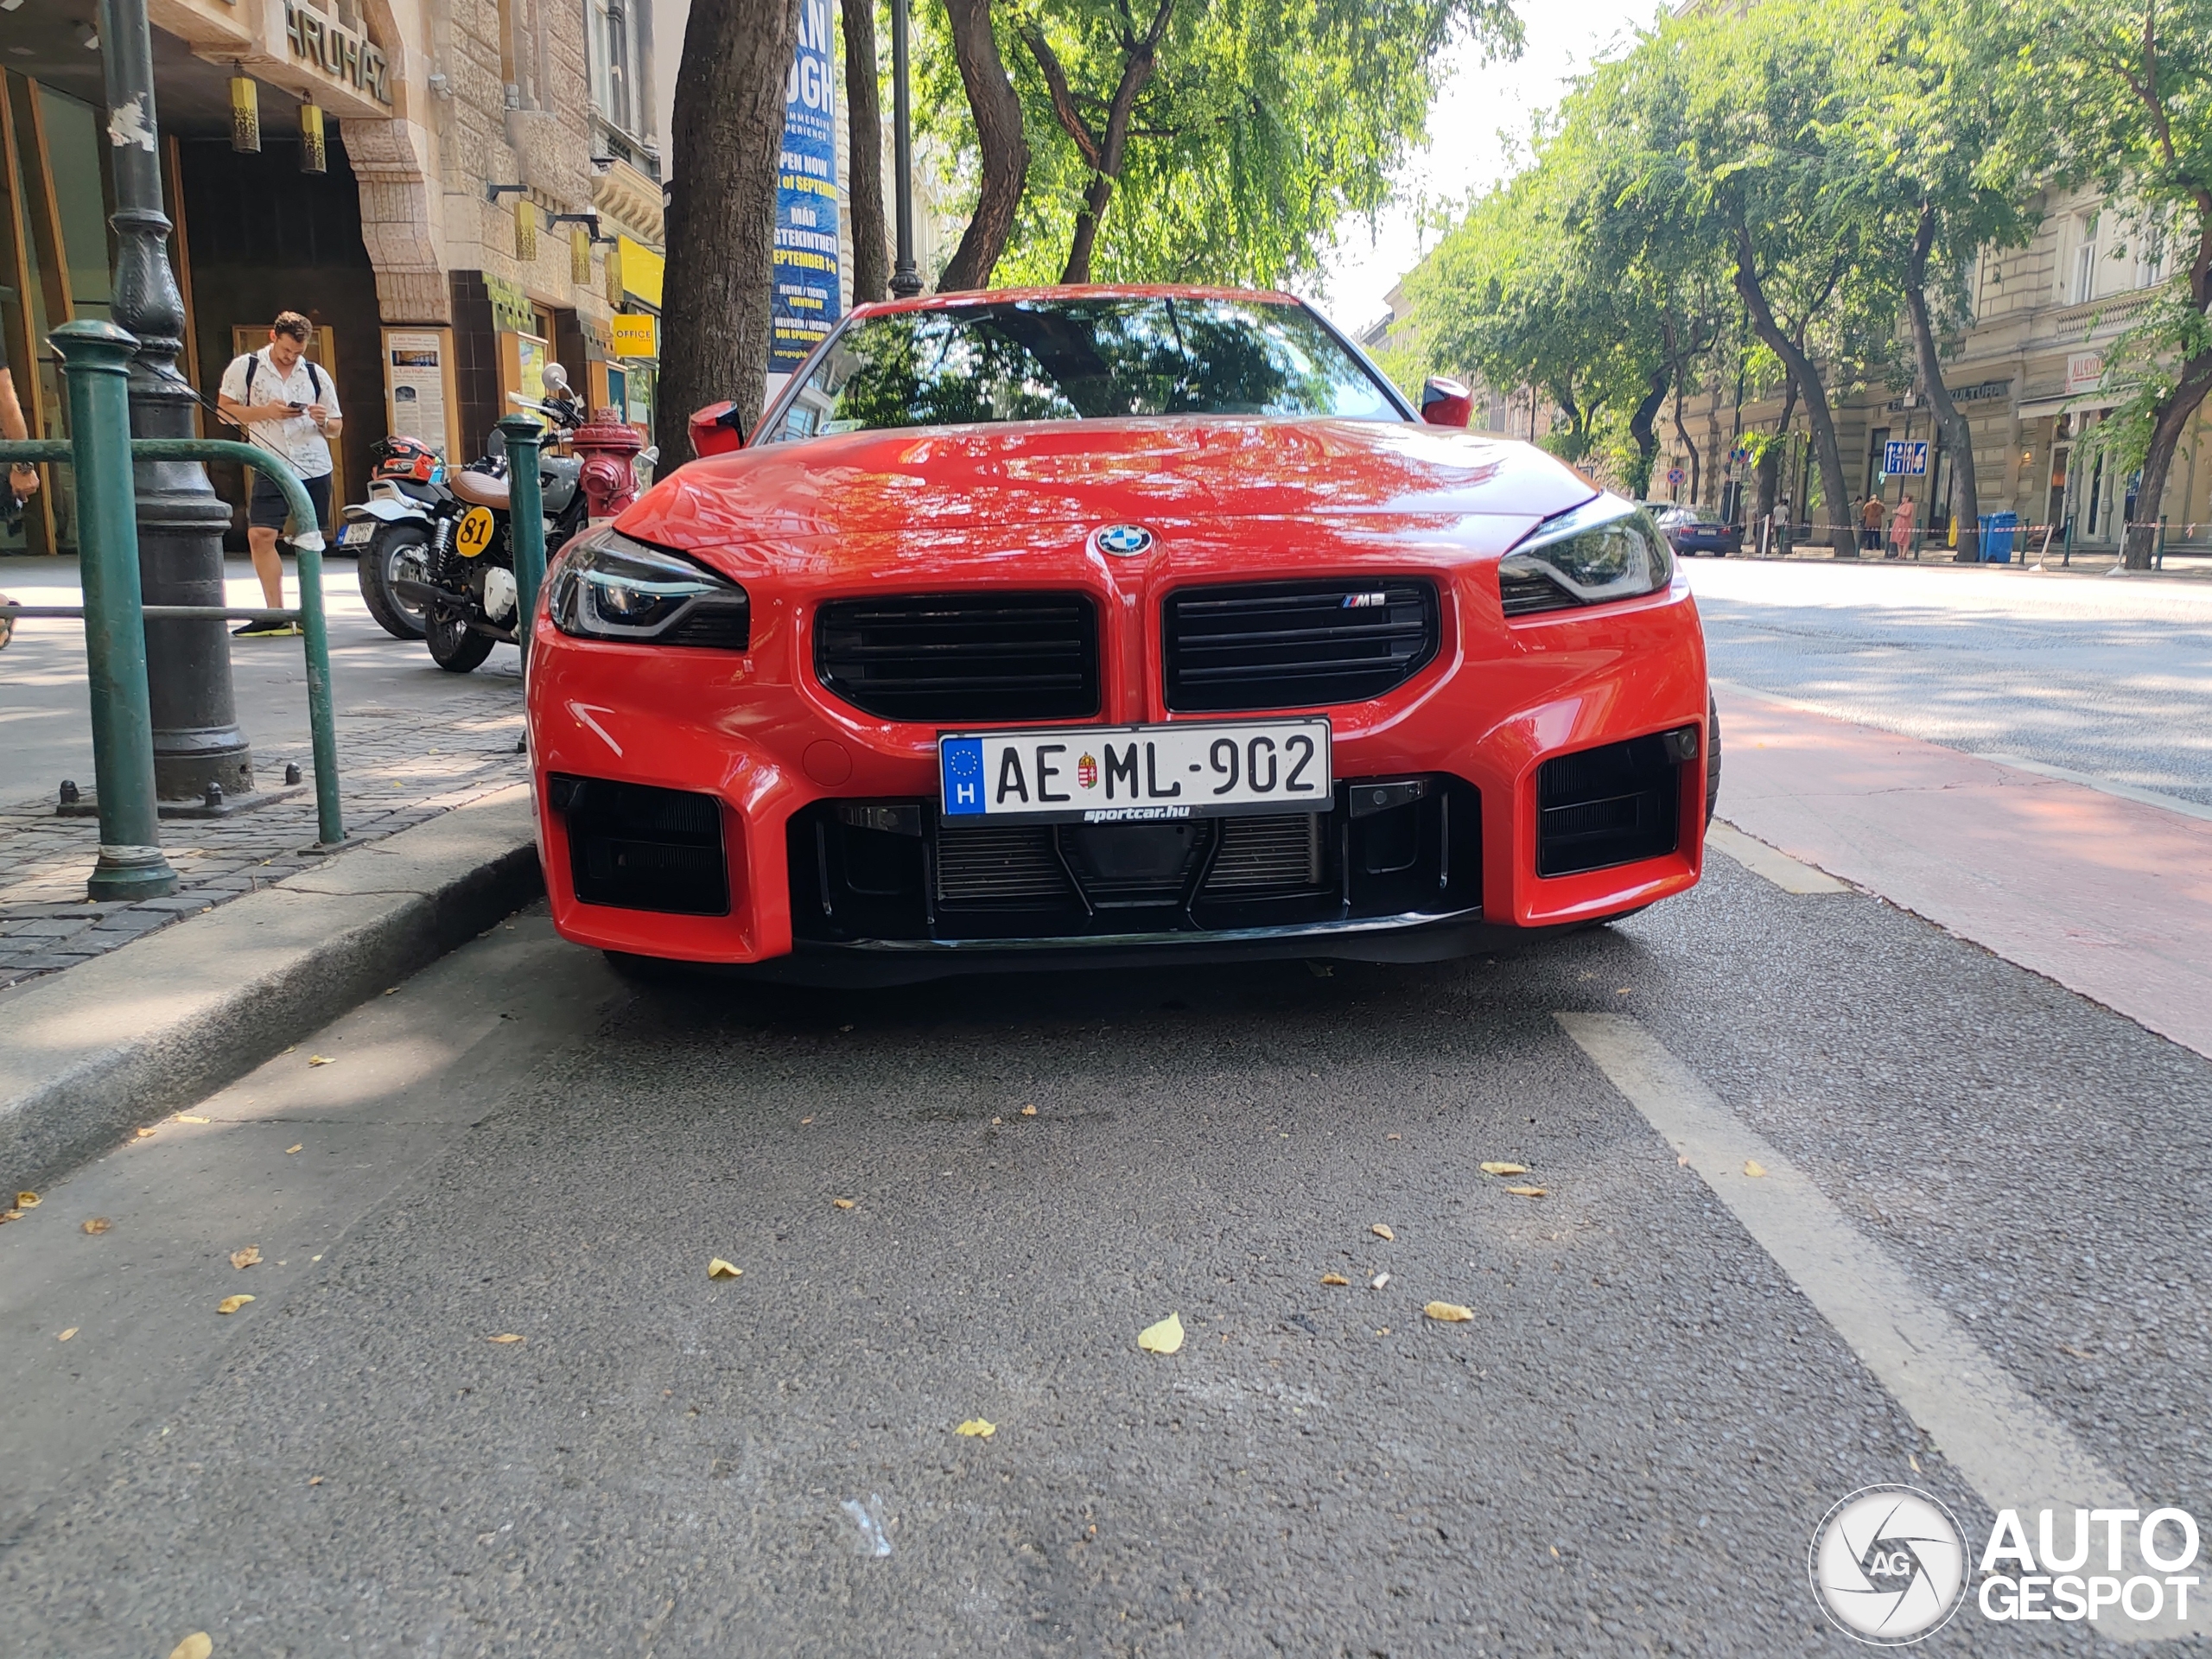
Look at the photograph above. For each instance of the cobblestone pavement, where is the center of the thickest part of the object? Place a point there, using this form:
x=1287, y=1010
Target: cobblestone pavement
x=397, y=767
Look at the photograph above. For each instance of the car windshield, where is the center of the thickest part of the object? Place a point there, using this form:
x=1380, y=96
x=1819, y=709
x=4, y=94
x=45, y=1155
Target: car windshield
x=1081, y=359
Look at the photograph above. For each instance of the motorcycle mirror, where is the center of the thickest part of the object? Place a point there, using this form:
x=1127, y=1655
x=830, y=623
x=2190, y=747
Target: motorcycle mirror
x=555, y=376
x=650, y=455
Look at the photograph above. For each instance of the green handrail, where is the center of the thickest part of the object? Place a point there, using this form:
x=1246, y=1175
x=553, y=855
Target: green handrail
x=314, y=627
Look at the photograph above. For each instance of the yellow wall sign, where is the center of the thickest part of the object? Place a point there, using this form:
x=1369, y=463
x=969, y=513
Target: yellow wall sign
x=642, y=269
x=635, y=334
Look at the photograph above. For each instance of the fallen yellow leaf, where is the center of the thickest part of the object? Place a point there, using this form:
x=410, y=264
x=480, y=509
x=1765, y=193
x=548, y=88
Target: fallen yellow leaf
x=11, y=1215
x=1162, y=1338
x=142, y=1133
x=231, y=1304
x=1334, y=1278
x=187, y=1117
x=1753, y=1169
x=99, y=1224
x=842, y=1203
x=319, y=1059
x=1449, y=1312
x=1029, y=1112
x=1394, y=1137
x=289, y=1151
x=1505, y=1169
x=26, y=1200
x=198, y=1645
x=504, y=1338
x=246, y=1258
x=719, y=1268
x=1527, y=1192
x=66, y=1335
x=977, y=1428
x=1381, y=1231
x=316, y=1480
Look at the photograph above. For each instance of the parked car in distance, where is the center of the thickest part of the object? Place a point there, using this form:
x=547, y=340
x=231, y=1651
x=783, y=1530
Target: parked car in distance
x=1696, y=529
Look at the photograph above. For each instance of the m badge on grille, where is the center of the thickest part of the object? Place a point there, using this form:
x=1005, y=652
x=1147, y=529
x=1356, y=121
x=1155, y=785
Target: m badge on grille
x=1122, y=541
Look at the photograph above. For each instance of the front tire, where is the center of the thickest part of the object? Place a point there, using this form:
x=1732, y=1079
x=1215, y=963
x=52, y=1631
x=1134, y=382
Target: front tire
x=398, y=551
x=1711, y=757
x=454, y=646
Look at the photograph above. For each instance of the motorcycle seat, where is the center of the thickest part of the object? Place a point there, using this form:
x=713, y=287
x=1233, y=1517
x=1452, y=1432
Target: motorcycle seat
x=479, y=489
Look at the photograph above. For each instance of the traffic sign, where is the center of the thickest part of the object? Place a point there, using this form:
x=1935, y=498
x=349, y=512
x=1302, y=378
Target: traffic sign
x=1905, y=459
x=1675, y=475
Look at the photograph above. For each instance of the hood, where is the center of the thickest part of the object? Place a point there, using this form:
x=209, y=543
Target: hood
x=1372, y=477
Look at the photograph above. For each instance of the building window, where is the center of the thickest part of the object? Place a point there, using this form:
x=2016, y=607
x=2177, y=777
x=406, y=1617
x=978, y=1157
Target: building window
x=613, y=66
x=2085, y=261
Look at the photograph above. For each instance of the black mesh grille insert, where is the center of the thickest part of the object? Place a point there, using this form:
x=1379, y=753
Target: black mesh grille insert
x=959, y=657
x=999, y=864
x=643, y=849
x=1522, y=593
x=1607, y=806
x=1264, y=854
x=1285, y=644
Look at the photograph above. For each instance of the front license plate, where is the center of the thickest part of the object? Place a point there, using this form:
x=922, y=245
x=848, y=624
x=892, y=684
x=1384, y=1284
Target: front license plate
x=1111, y=774
x=360, y=533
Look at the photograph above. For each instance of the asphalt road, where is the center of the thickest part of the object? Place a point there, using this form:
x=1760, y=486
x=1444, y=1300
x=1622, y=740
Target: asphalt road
x=2108, y=676
x=1626, y=1450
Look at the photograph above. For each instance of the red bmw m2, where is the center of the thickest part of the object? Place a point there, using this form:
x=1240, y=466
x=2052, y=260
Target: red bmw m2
x=1108, y=625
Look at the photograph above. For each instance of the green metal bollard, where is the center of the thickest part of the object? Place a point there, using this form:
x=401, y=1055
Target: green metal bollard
x=96, y=358
x=525, y=517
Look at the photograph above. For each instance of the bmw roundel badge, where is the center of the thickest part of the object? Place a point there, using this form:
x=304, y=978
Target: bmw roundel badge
x=1123, y=541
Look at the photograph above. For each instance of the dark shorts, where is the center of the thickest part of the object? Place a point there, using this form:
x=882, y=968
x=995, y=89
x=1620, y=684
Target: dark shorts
x=267, y=509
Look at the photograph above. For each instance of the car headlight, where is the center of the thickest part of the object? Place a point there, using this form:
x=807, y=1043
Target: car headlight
x=607, y=586
x=1605, y=550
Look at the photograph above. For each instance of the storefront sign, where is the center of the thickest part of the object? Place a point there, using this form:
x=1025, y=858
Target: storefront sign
x=806, y=297
x=635, y=334
x=511, y=310
x=2084, y=370
x=337, y=51
x=642, y=269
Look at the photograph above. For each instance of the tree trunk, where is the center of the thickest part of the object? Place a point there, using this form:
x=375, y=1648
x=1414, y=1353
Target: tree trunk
x=2191, y=386
x=728, y=128
x=1640, y=425
x=1843, y=535
x=1958, y=436
x=1101, y=153
x=2181, y=405
x=999, y=138
x=871, y=247
x=1770, y=467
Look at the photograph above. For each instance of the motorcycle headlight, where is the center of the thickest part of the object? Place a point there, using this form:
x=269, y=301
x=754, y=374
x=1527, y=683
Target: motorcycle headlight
x=607, y=586
x=1602, y=551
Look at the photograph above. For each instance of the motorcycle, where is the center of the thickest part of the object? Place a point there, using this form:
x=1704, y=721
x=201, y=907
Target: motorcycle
x=467, y=594
x=390, y=532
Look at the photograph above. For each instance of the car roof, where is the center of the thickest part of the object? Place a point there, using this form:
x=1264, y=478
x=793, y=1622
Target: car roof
x=1075, y=291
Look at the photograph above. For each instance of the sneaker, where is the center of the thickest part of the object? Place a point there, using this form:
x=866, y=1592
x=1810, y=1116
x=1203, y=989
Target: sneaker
x=265, y=630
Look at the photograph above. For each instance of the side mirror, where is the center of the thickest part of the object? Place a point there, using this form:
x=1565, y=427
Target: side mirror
x=554, y=377
x=1446, y=403
x=650, y=455
x=716, y=429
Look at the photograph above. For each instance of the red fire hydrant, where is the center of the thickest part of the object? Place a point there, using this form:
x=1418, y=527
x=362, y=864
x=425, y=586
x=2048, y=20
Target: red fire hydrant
x=609, y=479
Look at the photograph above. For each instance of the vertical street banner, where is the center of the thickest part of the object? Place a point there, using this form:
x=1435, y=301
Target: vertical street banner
x=806, y=198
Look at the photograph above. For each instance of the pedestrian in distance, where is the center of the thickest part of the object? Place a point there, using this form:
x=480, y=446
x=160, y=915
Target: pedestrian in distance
x=22, y=482
x=1870, y=524
x=288, y=407
x=1901, y=530
x=1785, y=516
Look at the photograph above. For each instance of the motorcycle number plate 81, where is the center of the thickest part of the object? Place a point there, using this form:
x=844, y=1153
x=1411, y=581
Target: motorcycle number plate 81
x=473, y=534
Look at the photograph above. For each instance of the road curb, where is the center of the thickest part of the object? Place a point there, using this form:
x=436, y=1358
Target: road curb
x=114, y=1043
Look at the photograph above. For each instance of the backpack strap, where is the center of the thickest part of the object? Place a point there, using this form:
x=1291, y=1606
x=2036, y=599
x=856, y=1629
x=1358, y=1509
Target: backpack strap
x=252, y=368
x=315, y=378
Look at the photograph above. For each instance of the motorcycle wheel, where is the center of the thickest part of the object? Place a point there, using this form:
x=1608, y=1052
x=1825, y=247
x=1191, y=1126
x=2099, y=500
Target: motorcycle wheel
x=401, y=550
x=453, y=648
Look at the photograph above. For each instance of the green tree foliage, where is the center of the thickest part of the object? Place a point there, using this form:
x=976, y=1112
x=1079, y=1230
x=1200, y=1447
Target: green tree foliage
x=1204, y=140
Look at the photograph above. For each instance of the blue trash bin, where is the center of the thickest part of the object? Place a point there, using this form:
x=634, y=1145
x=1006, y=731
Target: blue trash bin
x=1998, y=531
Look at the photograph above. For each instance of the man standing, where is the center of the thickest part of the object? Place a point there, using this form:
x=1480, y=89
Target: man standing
x=1870, y=524
x=288, y=406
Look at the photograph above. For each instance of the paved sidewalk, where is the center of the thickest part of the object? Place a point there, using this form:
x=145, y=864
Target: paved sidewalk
x=413, y=742
x=2110, y=896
